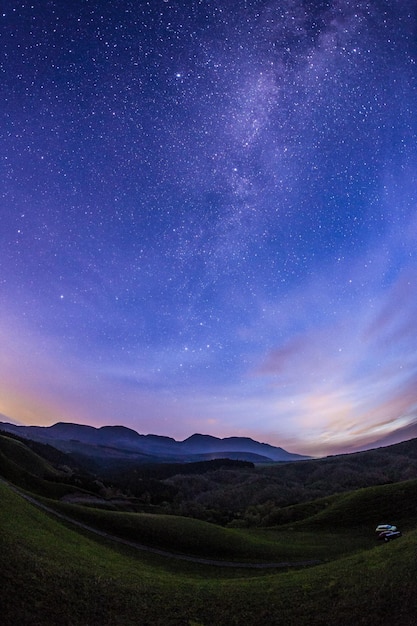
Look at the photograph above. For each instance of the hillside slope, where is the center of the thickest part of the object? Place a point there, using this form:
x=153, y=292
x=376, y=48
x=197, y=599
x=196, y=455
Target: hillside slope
x=29, y=470
x=62, y=577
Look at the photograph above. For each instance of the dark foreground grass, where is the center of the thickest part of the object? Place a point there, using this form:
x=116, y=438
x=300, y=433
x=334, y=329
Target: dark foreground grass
x=51, y=575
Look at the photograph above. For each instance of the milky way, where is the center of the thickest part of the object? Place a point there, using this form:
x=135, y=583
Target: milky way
x=208, y=218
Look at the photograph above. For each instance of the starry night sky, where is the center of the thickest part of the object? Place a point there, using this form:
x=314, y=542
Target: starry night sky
x=208, y=217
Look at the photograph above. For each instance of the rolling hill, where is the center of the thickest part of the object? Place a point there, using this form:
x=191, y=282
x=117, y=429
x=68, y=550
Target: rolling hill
x=65, y=574
x=54, y=573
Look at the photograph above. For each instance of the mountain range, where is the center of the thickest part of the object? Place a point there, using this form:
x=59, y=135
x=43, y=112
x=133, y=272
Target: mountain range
x=120, y=442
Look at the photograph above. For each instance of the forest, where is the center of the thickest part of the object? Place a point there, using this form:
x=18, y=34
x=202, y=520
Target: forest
x=223, y=491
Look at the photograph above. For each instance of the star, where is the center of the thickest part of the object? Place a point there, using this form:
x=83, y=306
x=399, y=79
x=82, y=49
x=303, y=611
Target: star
x=223, y=197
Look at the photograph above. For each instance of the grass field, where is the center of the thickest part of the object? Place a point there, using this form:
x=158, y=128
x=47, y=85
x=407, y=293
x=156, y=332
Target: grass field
x=53, y=574
x=23, y=467
x=201, y=539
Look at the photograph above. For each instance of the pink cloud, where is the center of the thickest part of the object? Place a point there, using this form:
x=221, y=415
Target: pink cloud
x=278, y=360
x=397, y=319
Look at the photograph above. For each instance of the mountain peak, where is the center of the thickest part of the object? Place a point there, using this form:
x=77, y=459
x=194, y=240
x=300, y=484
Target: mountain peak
x=119, y=430
x=200, y=438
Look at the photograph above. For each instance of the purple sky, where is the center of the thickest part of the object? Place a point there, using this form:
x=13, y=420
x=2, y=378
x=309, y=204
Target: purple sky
x=208, y=218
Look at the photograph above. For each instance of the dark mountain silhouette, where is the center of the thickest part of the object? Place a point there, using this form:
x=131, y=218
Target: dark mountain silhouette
x=200, y=444
x=119, y=441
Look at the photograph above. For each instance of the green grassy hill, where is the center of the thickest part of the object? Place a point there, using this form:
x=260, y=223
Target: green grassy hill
x=54, y=574
x=27, y=469
x=23, y=467
x=360, y=508
x=370, y=506
x=326, y=529
x=26, y=459
x=189, y=536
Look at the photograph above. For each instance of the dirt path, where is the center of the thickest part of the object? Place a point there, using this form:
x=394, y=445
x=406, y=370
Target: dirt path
x=164, y=553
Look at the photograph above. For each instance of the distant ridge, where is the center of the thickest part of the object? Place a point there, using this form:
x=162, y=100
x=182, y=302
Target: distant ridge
x=124, y=442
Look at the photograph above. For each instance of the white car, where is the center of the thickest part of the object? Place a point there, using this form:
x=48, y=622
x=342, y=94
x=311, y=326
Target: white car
x=385, y=527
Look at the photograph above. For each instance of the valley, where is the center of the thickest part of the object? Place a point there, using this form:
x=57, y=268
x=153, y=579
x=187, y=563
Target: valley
x=315, y=561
